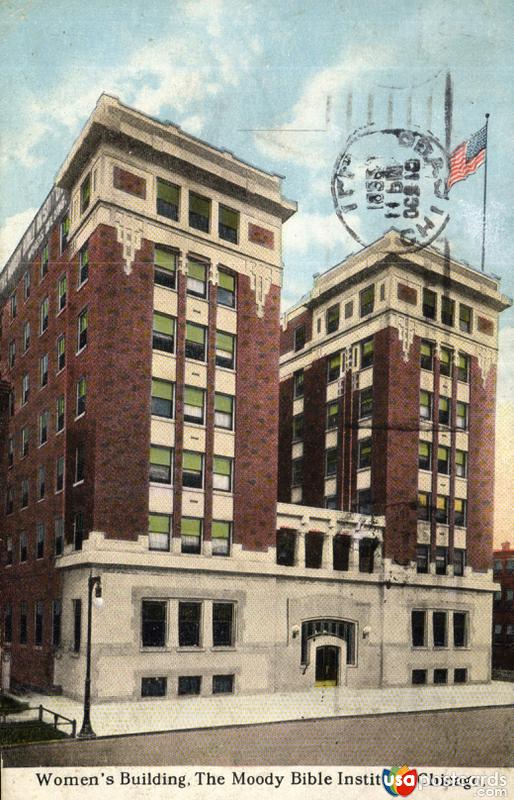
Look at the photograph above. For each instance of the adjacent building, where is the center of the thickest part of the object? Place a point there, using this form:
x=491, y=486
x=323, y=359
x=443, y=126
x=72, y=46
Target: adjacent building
x=503, y=608
x=139, y=441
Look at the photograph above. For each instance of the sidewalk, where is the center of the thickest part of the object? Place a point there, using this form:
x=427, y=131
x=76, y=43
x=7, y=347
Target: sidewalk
x=202, y=712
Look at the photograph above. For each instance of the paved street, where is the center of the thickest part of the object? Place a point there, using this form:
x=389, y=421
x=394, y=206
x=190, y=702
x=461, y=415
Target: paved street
x=474, y=737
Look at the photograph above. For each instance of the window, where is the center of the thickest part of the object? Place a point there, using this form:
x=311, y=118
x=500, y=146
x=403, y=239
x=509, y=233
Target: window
x=24, y=493
x=297, y=471
x=189, y=684
x=81, y=396
x=222, y=684
x=44, y=262
x=162, y=398
x=464, y=318
x=85, y=193
x=77, y=624
x=333, y=367
x=195, y=341
x=366, y=403
x=461, y=463
x=222, y=474
x=10, y=451
x=367, y=300
x=443, y=460
x=8, y=624
x=332, y=414
x=56, y=622
x=439, y=622
x=168, y=198
x=424, y=500
x=497, y=566
x=160, y=464
x=441, y=509
x=221, y=537
x=497, y=634
x=422, y=558
x=78, y=530
x=9, y=500
x=40, y=540
x=83, y=265
x=43, y=427
x=25, y=389
x=228, y=225
x=25, y=440
x=463, y=367
x=364, y=502
x=425, y=404
x=222, y=624
x=65, y=232
x=460, y=675
x=429, y=304
x=366, y=554
x=26, y=285
x=82, y=330
x=154, y=687
x=12, y=402
x=297, y=427
x=153, y=623
x=43, y=370
x=163, y=335
x=333, y=319
x=331, y=461
x=447, y=311
x=59, y=474
x=80, y=463
x=460, y=512
x=364, y=456
x=189, y=618
x=226, y=288
x=285, y=552
x=26, y=336
x=12, y=354
x=298, y=384
x=425, y=455
x=223, y=411
x=41, y=485
x=23, y=547
x=459, y=561
x=444, y=410
x=159, y=526
x=43, y=315
x=299, y=337
x=348, y=309
x=194, y=405
x=225, y=350
x=58, y=536
x=462, y=416
x=196, y=278
x=460, y=628
x=427, y=355
x=61, y=353
x=199, y=212
x=445, y=361
x=62, y=289
x=366, y=353
x=419, y=628
x=191, y=535
x=165, y=266
x=192, y=470
x=14, y=305
x=23, y=622
x=341, y=552
x=441, y=560
x=440, y=676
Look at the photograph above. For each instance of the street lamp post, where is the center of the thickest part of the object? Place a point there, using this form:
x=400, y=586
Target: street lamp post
x=94, y=583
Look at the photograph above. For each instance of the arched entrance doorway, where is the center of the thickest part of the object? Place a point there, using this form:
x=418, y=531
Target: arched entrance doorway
x=327, y=665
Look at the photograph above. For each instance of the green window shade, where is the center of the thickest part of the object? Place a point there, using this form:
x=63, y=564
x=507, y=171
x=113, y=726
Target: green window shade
x=367, y=347
x=224, y=341
x=163, y=324
x=442, y=454
x=196, y=270
x=333, y=314
x=227, y=281
x=44, y=255
x=193, y=396
x=460, y=457
x=62, y=286
x=84, y=257
x=192, y=462
x=367, y=295
x=66, y=224
x=459, y=505
x=444, y=403
x=220, y=530
x=424, y=449
x=461, y=409
x=334, y=361
x=165, y=259
x=83, y=321
x=426, y=349
x=229, y=217
x=159, y=523
x=199, y=205
x=162, y=389
x=442, y=502
x=445, y=356
x=82, y=387
x=161, y=456
x=167, y=192
x=223, y=403
x=61, y=345
x=222, y=466
x=195, y=333
x=190, y=526
x=465, y=313
x=60, y=405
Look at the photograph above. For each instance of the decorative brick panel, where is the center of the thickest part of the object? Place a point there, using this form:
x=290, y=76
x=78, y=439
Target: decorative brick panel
x=261, y=236
x=129, y=183
x=408, y=294
x=485, y=325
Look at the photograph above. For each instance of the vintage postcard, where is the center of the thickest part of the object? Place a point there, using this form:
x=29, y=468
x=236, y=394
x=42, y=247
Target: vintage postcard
x=256, y=449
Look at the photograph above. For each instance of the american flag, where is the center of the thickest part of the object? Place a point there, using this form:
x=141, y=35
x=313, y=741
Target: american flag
x=468, y=157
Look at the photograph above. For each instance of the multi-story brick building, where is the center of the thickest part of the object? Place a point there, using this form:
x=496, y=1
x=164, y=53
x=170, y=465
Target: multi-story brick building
x=503, y=608
x=139, y=377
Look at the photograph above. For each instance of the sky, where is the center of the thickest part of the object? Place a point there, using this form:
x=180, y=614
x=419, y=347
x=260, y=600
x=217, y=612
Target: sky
x=282, y=85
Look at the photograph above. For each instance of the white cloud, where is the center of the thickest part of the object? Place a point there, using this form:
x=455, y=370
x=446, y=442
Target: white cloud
x=305, y=231
x=11, y=232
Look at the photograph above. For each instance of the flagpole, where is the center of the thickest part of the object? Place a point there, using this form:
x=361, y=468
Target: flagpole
x=485, y=193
